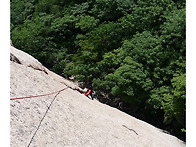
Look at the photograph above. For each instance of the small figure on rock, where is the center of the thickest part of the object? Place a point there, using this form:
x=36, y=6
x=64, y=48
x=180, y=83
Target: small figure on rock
x=88, y=92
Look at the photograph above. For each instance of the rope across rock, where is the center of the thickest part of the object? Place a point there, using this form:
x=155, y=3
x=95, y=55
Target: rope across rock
x=16, y=98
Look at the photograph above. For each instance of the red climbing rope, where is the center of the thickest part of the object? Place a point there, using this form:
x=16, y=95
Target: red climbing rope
x=16, y=98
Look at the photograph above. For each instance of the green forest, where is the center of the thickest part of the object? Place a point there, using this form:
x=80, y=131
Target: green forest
x=133, y=50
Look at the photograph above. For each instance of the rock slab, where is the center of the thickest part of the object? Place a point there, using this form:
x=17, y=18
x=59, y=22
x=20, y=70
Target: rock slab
x=68, y=118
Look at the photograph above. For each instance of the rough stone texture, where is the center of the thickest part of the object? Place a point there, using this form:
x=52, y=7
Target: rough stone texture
x=14, y=58
x=26, y=59
x=72, y=120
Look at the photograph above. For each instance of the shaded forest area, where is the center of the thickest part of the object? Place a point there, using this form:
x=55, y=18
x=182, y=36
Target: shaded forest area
x=132, y=51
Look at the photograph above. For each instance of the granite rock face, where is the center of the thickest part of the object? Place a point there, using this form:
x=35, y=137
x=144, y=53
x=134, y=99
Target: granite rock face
x=68, y=118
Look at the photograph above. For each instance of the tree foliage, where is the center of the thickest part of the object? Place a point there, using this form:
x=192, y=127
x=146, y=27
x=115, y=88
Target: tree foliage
x=133, y=50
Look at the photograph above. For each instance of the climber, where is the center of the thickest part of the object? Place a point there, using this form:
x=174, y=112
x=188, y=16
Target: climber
x=88, y=92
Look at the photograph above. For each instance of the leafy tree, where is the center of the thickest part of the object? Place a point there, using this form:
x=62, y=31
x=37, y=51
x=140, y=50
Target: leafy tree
x=82, y=8
x=21, y=10
x=33, y=37
x=62, y=28
x=149, y=15
x=173, y=32
x=111, y=61
x=131, y=81
x=111, y=10
x=174, y=102
x=86, y=23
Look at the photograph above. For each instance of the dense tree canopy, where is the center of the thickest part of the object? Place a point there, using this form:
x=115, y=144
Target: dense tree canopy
x=130, y=49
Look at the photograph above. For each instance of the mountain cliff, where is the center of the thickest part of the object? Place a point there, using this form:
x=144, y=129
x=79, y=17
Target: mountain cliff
x=50, y=113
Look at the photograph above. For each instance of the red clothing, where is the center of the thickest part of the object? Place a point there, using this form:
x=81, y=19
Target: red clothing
x=87, y=92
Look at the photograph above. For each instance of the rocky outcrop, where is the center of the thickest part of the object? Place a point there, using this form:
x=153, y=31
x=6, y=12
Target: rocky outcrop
x=25, y=59
x=14, y=58
x=68, y=118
